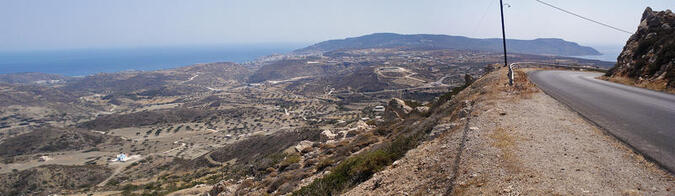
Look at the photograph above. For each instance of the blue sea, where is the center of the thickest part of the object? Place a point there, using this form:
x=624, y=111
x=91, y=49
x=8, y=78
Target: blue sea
x=609, y=53
x=81, y=62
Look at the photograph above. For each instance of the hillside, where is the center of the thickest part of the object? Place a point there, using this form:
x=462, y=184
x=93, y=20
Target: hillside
x=49, y=179
x=43, y=140
x=196, y=75
x=548, y=46
x=516, y=141
x=33, y=77
x=307, y=120
x=648, y=59
x=487, y=139
x=350, y=69
x=287, y=69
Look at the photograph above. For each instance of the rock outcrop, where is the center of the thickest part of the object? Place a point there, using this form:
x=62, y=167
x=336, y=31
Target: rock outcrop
x=304, y=146
x=397, y=109
x=648, y=59
x=327, y=135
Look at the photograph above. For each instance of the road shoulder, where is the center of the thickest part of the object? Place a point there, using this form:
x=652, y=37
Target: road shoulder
x=520, y=141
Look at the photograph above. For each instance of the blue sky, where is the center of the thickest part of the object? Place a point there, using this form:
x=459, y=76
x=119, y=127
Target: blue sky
x=51, y=24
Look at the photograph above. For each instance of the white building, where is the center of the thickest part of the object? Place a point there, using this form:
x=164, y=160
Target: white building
x=121, y=158
x=379, y=108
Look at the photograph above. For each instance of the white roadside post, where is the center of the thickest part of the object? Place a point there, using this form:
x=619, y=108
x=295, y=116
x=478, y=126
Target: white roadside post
x=510, y=74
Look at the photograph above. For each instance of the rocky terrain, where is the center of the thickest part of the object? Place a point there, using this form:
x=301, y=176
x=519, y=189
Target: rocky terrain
x=518, y=141
x=318, y=123
x=648, y=59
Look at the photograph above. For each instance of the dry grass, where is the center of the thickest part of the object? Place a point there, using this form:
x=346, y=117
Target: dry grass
x=290, y=159
x=657, y=85
x=522, y=85
x=499, y=89
x=505, y=142
x=462, y=187
x=620, y=80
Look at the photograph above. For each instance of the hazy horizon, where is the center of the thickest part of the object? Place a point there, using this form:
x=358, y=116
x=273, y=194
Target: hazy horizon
x=79, y=24
x=294, y=45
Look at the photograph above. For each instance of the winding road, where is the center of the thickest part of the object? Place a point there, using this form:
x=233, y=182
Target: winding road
x=642, y=118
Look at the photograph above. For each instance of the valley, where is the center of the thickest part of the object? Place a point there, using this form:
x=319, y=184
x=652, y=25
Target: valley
x=203, y=117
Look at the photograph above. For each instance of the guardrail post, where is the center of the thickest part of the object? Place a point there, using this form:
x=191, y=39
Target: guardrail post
x=510, y=74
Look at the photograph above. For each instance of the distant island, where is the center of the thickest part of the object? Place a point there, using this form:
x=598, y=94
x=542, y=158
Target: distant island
x=542, y=46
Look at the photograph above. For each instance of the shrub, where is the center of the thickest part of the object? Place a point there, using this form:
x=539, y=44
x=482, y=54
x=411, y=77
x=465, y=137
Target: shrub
x=360, y=167
x=290, y=159
x=324, y=163
x=113, y=182
x=412, y=103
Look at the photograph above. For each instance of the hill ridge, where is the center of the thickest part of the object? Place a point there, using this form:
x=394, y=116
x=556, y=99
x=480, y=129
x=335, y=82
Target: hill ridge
x=540, y=46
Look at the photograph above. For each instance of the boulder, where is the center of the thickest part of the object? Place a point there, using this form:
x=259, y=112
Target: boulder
x=397, y=109
x=359, y=125
x=422, y=109
x=303, y=145
x=399, y=106
x=226, y=187
x=438, y=129
x=327, y=135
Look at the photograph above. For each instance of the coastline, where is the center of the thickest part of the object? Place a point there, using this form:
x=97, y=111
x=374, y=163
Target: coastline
x=83, y=62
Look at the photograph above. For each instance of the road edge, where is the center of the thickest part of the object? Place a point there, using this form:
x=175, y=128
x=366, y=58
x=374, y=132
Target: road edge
x=632, y=148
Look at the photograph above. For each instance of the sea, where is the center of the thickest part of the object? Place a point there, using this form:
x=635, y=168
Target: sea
x=82, y=62
x=609, y=53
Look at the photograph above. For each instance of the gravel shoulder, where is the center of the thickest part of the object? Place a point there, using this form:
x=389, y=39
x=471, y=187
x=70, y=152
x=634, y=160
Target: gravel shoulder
x=519, y=141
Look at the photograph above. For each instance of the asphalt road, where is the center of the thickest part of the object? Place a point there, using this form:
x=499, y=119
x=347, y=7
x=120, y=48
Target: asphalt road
x=644, y=119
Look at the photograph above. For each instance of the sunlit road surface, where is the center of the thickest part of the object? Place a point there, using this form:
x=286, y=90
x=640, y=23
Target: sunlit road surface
x=644, y=119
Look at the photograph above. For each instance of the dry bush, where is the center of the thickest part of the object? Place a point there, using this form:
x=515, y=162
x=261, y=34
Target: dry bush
x=620, y=80
x=657, y=85
x=289, y=160
x=522, y=85
x=502, y=139
x=324, y=163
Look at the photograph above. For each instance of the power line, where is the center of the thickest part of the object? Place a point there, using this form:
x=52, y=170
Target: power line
x=480, y=22
x=582, y=17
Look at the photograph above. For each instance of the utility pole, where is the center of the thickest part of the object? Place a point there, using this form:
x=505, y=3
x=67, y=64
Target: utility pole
x=506, y=64
x=501, y=8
